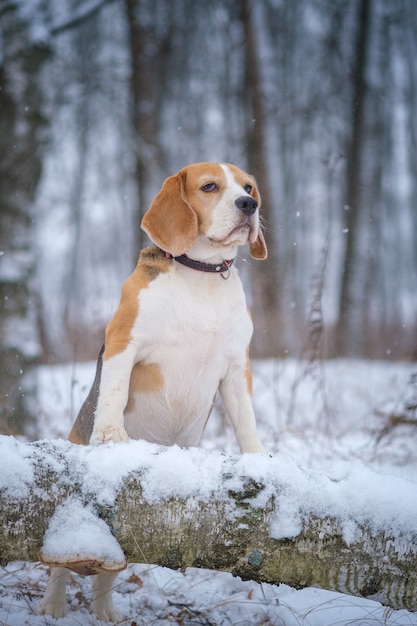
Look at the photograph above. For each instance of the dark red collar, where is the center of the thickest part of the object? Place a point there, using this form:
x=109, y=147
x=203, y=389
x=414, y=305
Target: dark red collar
x=217, y=268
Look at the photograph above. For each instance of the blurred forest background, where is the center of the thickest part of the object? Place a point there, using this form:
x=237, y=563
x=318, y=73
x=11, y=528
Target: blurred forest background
x=100, y=100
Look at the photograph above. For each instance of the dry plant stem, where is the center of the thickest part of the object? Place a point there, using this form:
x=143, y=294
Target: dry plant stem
x=311, y=363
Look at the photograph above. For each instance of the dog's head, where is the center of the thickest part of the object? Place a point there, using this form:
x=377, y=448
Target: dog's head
x=211, y=205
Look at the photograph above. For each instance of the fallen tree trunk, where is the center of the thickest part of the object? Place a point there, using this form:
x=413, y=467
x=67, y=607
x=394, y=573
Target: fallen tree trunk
x=257, y=517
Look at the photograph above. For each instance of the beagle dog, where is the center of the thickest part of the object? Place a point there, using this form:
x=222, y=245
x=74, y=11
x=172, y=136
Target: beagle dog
x=181, y=332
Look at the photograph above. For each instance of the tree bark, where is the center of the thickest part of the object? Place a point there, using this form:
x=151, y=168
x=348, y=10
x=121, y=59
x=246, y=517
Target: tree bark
x=24, y=128
x=229, y=530
x=268, y=337
x=148, y=50
x=347, y=339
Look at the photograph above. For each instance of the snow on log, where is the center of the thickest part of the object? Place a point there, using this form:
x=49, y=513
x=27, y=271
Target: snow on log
x=258, y=517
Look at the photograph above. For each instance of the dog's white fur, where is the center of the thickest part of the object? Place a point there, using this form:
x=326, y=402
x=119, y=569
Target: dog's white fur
x=178, y=336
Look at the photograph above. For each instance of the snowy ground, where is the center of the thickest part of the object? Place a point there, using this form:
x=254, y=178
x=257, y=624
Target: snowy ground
x=327, y=417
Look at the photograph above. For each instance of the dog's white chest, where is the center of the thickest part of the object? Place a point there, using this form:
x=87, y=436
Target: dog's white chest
x=191, y=332
x=192, y=314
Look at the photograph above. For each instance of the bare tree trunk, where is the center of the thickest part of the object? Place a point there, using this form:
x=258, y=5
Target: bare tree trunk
x=148, y=49
x=23, y=134
x=410, y=46
x=268, y=337
x=238, y=526
x=86, y=39
x=345, y=336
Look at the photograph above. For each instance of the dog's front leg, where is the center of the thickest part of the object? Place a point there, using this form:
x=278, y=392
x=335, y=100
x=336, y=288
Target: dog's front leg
x=102, y=597
x=235, y=390
x=54, y=601
x=113, y=396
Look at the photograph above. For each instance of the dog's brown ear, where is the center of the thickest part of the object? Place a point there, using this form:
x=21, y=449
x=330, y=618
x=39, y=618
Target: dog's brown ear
x=170, y=222
x=258, y=249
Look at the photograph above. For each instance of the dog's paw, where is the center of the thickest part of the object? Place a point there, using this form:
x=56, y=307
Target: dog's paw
x=111, y=433
x=251, y=445
x=55, y=609
x=106, y=612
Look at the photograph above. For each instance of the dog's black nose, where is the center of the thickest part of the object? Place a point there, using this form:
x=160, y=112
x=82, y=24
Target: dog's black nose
x=246, y=204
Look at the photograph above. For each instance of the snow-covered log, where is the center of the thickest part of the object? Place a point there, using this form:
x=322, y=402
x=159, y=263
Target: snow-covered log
x=259, y=517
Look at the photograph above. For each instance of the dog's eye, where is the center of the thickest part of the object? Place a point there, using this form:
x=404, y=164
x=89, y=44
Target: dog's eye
x=248, y=188
x=208, y=187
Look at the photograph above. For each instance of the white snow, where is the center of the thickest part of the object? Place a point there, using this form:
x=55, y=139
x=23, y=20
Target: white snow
x=16, y=470
x=350, y=492
x=75, y=533
x=322, y=434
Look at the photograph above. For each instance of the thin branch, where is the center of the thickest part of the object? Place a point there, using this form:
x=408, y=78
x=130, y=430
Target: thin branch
x=311, y=353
